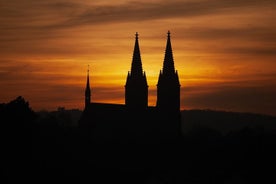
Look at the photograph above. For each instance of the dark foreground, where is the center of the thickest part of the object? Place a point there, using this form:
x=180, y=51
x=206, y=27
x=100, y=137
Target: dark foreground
x=44, y=150
x=204, y=156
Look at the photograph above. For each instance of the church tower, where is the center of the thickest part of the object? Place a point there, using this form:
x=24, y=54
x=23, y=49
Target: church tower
x=136, y=88
x=168, y=87
x=87, y=91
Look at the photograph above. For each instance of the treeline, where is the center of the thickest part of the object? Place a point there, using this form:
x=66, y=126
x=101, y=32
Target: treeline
x=42, y=147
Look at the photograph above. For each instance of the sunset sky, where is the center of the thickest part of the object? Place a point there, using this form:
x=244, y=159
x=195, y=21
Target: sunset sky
x=224, y=51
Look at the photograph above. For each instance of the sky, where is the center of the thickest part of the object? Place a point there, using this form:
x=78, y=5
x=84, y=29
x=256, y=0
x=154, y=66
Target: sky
x=224, y=51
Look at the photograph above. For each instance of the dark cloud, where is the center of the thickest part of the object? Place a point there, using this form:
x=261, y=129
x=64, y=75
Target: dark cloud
x=248, y=40
x=247, y=33
x=51, y=96
x=74, y=13
x=35, y=22
x=24, y=75
x=253, y=51
x=259, y=99
x=142, y=11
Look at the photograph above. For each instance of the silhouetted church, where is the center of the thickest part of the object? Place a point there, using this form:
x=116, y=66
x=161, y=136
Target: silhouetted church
x=135, y=121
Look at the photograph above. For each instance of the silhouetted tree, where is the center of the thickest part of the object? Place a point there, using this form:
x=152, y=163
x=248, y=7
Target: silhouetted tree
x=17, y=120
x=17, y=113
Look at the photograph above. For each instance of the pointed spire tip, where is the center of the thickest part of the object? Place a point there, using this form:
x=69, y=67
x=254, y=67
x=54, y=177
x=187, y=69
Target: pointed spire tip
x=88, y=69
x=136, y=35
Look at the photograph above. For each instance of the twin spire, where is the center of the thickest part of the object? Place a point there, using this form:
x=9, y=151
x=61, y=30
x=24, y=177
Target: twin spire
x=168, y=64
x=136, y=88
x=168, y=86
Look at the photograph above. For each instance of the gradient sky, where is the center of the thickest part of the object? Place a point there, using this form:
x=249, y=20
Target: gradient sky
x=224, y=51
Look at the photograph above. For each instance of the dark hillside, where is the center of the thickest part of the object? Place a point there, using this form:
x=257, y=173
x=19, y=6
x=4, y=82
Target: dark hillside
x=226, y=122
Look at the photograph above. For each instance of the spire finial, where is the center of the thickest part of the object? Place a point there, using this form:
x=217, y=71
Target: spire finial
x=136, y=35
x=87, y=90
x=169, y=33
x=87, y=82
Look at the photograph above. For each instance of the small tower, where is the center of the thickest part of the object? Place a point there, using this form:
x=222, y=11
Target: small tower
x=136, y=88
x=87, y=90
x=168, y=87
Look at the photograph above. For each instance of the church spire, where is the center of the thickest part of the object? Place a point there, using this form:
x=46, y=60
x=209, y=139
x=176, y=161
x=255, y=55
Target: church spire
x=168, y=65
x=136, y=88
x=136, y=65
x=87, y=90
x=87, y=80
x=168, y=86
